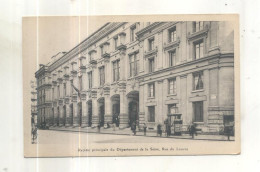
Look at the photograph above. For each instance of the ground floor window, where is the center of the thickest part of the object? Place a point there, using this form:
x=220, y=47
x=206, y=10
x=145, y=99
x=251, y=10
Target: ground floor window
x=198, y=111
x=151, y=114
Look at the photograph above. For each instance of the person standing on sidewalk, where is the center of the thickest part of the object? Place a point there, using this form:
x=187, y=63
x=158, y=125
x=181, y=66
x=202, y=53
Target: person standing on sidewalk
x=145, y=129
x=134, y=128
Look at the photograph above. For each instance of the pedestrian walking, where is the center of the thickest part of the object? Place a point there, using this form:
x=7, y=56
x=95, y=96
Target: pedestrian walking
x=145, y=129
x=193, y=130
x=168, y=129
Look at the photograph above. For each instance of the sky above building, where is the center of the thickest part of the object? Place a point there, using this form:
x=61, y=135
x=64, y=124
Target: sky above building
x=44, y=37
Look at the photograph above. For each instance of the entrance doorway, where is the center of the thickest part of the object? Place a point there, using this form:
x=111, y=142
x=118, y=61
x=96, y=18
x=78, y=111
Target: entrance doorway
x=101, y=112
x=58, y=121
x=71, y=113
x=89, y=113
x=80, y=113
x=133, y=107
x=115, y=109
x=64, y=115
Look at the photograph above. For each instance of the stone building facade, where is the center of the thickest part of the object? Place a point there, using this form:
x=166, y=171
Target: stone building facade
x=140, y=72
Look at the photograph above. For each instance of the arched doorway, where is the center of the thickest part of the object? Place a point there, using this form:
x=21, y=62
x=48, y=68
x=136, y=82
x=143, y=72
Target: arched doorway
x=71, y=114
x=58, y=121
x=101, y=111
x=80, y=113
x=89, y=103
x=64, y=115
x=115, y=109
x=133, y=107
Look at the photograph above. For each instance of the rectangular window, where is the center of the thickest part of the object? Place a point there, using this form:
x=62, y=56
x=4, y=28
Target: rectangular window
x=58, y=92
x=134, y=64
x=151, y=90
x=172, y=86
x=172, y=35
x=80, y=62
x=102, y=50
x=132, y=33
x=90, y=80
x=65, y=89
x=151, y=64
x=172, y=58
x=80, y=83
x=115, y=42
x=198, y=81
x=102, y=76
x=198, y=111
x=151, y=117
x=197, y=26
x=151, y=44
x=116, y=70
x=52, y=93
x=71, y=88
x=198, y=49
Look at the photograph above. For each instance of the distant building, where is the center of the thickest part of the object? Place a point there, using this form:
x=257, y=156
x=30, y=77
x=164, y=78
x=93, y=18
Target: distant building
x=140, y=72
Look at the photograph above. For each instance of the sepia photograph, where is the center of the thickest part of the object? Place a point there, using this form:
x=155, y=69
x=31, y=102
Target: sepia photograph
x=131, y=85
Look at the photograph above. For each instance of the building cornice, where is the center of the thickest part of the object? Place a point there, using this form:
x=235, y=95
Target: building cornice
x=89, y=41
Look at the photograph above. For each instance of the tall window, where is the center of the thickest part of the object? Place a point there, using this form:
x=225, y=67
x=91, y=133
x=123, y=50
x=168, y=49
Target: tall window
x=58, y=92
x=198, y=111
x=151, y=90
x=197, y=26
x=198, y=80
x=151, y=44
x=90, y=80
x=172, y=35
x=65, y=89
x=116, y=70
x=151, y=64
x=172, y=86
x=151, y=116
x=102, y=76
x=80, y=83
x=52, y=93
x=134, y=64
x=115, y=42
x=80, y=62
x=71, y=88
x=172, y=58
x=102, y=50
x=198, y=49
x=132, y=33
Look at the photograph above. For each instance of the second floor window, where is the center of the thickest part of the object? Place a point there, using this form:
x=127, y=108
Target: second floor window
x=151, y=44
x=198, y=81
x=197, y=26
x=58, y=92
x=151, y=90
x=65, y=89
x=151, y=64
x=172, y=86
x=172, y=58
x=80, y=83
x=134, y=62
x=116, y=70
x=102, y=50
x=102, y=76
x=172, y=35
x=115, y=42
x=198, y=49
x=90, y=80
x=132, y=33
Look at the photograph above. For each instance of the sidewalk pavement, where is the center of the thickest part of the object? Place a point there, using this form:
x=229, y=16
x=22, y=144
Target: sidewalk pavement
x=127, y=131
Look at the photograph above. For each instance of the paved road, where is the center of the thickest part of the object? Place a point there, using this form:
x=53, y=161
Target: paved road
x=61, y=137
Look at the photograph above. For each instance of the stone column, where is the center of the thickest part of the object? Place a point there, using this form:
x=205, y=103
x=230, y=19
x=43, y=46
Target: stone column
x=95, y=117
x=108, y=114
x=55, y=121
x=123, y=117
